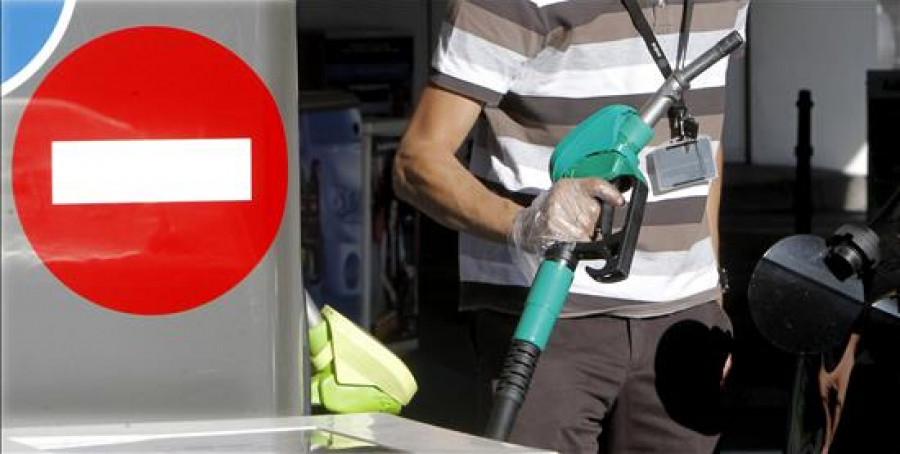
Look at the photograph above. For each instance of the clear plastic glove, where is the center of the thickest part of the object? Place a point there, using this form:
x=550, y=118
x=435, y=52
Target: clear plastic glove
x=568, y=212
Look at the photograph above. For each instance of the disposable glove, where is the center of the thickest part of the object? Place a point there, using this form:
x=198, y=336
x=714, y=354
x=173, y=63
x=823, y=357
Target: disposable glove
x=568, y=212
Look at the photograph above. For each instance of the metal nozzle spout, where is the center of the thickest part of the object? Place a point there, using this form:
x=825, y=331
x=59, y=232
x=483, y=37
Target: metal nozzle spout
x=680, y=80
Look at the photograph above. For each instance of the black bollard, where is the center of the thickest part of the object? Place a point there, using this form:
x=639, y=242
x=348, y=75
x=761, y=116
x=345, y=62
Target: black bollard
x=803, y=205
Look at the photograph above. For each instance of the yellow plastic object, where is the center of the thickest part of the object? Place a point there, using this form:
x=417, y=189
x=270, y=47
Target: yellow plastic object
x=354, y=372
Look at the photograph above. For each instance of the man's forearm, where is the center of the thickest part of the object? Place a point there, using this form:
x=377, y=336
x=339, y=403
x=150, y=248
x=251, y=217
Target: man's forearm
x=714, y=202
x=428, y=175
x=439, y=185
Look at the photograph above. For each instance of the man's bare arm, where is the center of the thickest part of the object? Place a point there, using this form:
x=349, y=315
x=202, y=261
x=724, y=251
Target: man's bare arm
x=714, y=202
x=428, y=175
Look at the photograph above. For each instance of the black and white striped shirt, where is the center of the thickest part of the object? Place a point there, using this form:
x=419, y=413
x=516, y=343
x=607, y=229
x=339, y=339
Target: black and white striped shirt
x=542, y=66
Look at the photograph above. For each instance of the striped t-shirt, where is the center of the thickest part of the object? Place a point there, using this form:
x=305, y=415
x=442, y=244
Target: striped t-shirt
x=542, y=66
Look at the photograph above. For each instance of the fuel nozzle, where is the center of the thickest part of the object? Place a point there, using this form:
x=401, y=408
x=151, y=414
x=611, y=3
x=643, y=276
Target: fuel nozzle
x=680, y=80
x=606, y=145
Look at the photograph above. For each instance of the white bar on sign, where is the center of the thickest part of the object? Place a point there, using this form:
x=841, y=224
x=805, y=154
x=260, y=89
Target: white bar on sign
x=148, y=171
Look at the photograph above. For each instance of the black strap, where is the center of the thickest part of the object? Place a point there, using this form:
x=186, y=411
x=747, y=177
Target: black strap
x=643, y=27
x=684, y=34
x=681, y=123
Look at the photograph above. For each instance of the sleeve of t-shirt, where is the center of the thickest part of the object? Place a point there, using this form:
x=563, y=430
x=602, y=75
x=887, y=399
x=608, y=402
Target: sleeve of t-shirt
x=484, y=45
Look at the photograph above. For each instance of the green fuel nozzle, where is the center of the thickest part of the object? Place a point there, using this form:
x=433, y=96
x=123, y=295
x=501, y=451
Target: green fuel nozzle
x=605, y=145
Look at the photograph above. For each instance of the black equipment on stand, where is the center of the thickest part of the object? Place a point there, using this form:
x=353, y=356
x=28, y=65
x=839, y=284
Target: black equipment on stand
x=807, y=296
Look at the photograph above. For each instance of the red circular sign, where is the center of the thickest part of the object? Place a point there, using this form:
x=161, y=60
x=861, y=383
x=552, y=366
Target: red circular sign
x=152, y=90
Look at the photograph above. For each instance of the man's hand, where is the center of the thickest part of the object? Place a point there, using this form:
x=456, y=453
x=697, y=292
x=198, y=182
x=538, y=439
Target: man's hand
x=726, y=370
x=567, y=213
x=833, y=389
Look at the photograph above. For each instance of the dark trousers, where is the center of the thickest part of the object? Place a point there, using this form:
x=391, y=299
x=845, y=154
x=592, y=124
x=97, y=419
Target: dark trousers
x=609, y=384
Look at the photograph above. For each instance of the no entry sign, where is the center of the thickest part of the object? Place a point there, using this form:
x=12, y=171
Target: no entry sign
x=149, y=170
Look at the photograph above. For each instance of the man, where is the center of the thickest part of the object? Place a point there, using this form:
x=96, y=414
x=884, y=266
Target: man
x=630, y=366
